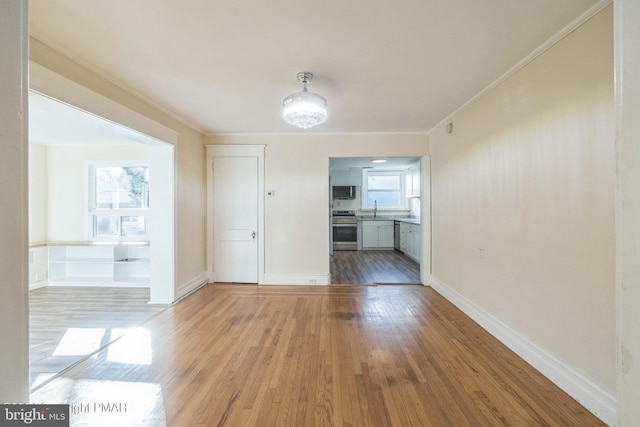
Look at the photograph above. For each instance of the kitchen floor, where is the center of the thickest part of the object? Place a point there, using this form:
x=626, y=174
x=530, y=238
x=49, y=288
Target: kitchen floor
x=373, y=268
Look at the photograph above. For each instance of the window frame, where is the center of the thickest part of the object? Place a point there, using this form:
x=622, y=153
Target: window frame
x=93, y=210
x=383, y=172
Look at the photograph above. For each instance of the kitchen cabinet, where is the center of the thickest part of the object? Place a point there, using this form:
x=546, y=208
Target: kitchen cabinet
x=411, y=240
x=99, y=265
x=377, y=235
x=350, y=177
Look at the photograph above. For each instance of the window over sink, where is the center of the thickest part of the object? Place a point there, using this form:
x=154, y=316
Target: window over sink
x=384, y=189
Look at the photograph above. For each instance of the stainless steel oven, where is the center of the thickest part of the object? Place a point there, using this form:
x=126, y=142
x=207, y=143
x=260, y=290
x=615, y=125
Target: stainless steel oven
x=345, y=231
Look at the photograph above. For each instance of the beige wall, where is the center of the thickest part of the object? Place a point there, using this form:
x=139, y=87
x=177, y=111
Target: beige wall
x=297, y=168
x=528, y=176
x=190, y=245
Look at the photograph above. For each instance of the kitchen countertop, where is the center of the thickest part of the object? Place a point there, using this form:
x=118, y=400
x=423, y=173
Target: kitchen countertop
x=389, y=218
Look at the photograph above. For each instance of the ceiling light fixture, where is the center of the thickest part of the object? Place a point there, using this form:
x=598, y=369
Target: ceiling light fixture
x=379, y=161
x=304, y=109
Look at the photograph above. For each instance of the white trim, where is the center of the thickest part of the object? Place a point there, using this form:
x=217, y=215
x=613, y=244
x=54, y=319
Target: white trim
x=296, y=279
x=599, y=401
x=313, y=133
x=50, y=84
x=191, y=286
x=38, y=285
x=529, y=58
x=163, y=224
x=234, y=151
x=91, y=283
x=425, y=219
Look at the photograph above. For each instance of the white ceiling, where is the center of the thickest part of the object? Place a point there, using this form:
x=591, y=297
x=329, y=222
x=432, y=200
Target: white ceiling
x=54, y=123
x=226, y=65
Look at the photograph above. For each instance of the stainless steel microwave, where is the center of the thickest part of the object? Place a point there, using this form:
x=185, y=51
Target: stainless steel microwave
x=344, y=192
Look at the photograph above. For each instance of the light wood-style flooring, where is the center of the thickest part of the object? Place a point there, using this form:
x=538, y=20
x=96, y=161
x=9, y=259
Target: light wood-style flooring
x=67, y=324
x=372, y=267
x=246, y=355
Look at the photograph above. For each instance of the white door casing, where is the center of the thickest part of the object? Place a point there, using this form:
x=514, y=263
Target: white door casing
x=235, y=247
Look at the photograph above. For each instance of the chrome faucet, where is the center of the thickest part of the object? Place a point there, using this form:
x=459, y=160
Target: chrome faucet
x=375, y=209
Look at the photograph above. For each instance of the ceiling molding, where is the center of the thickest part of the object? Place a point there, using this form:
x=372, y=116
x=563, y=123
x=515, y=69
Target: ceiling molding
x=294, y=133
x=568, y=29
x=65, y=52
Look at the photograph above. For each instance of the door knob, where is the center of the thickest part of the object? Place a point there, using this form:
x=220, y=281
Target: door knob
x=253, y=235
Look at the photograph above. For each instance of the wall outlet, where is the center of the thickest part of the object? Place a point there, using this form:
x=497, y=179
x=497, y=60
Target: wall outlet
x=41, y=276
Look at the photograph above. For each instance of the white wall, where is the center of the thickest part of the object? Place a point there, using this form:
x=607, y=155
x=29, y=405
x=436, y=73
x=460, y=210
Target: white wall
x=528, y=176
x=297, y=168
x=67, y=190
x=37, y=193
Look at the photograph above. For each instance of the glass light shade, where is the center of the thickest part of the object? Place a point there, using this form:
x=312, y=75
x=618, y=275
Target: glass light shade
x=304, y=109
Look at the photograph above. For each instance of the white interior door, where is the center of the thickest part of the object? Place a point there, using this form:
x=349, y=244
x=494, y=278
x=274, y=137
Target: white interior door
x=235, y=218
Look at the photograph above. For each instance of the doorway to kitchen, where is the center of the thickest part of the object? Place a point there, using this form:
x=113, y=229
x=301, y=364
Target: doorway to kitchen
x=378, y=232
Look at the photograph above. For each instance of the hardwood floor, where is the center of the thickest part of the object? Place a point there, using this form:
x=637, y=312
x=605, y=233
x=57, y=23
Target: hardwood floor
x=246, y=355
x=372, y=267
x=68, y=323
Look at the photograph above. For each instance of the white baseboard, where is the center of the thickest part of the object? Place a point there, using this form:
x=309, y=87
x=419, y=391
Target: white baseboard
x=191, y=286
x=92, y=283
x=295, y=279
x=593, y=397
x=38, y=285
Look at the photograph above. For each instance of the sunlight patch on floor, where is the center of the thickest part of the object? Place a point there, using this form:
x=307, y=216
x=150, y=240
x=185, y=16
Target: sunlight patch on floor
x=79, y=342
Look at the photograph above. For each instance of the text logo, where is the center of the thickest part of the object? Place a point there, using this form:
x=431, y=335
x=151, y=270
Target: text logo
x=34, y=415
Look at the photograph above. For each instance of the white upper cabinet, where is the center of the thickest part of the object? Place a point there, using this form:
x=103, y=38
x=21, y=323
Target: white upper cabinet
x=346, y=177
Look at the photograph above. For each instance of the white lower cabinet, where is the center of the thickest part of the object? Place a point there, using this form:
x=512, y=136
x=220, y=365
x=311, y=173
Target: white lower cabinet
x=410, y=240
x=377, y=235
x=99, y=265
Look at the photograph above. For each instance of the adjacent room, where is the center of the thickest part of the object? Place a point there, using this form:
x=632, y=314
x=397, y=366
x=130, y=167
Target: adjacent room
x=89, y=235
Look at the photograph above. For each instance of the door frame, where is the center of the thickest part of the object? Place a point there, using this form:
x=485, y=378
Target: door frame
x=234, y=151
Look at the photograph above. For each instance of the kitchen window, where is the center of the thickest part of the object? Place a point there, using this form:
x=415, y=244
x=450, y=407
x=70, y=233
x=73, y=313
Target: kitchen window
x=384, y=189
x=118, y=201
